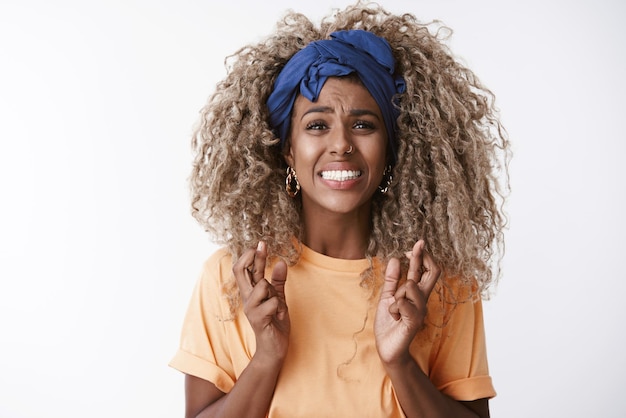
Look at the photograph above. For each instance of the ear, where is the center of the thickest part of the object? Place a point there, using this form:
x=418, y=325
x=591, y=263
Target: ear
x=288, y=154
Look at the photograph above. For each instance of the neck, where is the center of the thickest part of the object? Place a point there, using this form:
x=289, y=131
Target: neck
x=338, y=235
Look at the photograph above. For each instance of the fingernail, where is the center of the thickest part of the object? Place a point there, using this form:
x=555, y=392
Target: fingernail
x=259, y=246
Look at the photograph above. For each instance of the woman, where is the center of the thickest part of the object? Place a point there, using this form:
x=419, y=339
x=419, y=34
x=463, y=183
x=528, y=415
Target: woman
x=350, y=171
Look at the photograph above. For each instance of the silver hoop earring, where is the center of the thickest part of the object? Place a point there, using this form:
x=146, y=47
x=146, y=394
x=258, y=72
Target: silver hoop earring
x=387, y=180
x=291, y=183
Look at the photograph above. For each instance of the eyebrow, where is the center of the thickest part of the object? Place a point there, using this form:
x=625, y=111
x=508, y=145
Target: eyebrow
x=328, y=109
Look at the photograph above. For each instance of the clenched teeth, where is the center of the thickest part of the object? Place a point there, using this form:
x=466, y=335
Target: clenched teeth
x=341, y=175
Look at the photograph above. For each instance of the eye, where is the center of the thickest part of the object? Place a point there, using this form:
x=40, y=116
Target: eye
x=316, y=125
x=363, y=124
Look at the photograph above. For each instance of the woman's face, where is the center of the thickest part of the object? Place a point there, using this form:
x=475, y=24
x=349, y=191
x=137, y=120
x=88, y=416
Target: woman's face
x=334, y=178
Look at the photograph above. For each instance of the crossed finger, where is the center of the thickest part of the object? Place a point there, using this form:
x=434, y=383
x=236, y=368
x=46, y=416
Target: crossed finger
x=249, y=269
x=422, y=269
x=256, y=269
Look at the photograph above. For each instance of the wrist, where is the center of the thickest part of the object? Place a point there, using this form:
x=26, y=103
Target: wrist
x=267, y=362
x=400, y=363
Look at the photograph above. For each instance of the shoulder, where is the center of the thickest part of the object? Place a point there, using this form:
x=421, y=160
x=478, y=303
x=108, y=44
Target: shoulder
x=216, y=273
x=454, y=300
x=217, y=262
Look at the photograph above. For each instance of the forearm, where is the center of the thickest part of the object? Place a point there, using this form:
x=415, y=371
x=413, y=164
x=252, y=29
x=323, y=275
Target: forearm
x=266, y=311
x=418, y=396
x=251, y=395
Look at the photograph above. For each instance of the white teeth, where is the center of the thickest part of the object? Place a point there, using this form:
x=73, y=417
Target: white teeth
x=341, y=175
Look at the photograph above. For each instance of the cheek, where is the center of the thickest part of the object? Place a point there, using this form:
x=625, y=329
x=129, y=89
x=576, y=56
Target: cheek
x=305, y=155
x=377, y=155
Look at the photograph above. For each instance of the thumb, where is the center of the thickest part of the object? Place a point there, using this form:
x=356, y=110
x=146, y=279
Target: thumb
x=392, y=275
x=279, y=277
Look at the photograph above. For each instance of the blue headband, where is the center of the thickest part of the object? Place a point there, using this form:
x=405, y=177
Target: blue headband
x=347, y=52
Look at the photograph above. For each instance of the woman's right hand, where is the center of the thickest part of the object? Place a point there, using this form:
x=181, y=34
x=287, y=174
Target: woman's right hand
x=264, y=304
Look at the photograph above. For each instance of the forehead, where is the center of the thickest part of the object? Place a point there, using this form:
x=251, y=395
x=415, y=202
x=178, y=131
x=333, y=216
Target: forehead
x=340, y=92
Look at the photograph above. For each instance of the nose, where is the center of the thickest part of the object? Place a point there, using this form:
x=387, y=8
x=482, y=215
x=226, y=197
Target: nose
x=341, y=143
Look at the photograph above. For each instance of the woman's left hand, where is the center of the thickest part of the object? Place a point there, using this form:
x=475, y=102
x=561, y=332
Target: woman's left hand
x=402, y=309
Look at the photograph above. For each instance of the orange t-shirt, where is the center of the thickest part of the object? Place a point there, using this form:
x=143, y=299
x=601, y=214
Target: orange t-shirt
x=332, y=368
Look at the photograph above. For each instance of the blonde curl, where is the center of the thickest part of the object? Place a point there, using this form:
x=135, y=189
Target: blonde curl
x=451, y=175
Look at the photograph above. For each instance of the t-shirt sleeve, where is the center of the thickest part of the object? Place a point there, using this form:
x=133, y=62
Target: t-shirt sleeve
x=460, y=368
x=202, y=351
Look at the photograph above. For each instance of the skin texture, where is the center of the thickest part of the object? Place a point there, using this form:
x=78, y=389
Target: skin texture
x=322, y=134
x=342, y=130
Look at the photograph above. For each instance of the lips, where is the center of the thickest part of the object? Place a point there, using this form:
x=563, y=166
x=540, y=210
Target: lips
x=340, y=175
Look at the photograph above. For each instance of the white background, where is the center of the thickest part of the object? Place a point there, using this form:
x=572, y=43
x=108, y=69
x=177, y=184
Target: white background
x=98, y=252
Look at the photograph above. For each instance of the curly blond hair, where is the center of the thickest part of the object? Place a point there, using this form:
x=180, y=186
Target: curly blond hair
x=449, y=180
